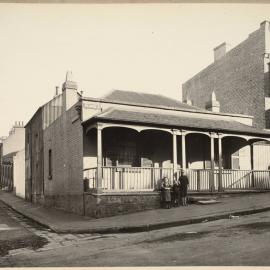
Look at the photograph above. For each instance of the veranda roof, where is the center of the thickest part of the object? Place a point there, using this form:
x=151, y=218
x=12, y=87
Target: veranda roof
x=176, y=121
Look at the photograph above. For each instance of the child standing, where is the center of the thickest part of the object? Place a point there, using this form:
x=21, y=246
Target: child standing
x=176, y=193
x=166, y=192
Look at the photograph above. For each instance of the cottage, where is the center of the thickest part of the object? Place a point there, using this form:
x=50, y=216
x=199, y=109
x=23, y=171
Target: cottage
x=102, y=157
x=12, y=165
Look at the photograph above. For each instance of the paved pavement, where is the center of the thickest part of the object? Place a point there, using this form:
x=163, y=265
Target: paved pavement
x=63, y=222
x=234, y=241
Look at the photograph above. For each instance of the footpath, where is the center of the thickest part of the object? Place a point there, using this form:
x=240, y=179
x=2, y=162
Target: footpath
x=64, y=222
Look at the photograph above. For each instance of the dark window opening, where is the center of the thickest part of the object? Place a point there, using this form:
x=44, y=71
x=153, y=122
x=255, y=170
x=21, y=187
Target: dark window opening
x=268, y=80
x=50, y=164
x=122, y=155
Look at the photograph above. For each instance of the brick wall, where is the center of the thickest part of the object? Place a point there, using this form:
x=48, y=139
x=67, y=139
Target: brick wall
x=64, y=138
x=237, y=79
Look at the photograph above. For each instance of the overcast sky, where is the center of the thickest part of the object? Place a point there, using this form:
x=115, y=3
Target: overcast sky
x=150, y=48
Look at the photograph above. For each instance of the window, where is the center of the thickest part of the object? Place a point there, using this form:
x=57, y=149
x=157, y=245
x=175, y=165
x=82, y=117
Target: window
x=50, y=164
x=127, y=156
x=122, y=155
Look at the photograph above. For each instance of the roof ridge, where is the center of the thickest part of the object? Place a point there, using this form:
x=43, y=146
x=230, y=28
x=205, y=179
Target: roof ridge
x=131, y=91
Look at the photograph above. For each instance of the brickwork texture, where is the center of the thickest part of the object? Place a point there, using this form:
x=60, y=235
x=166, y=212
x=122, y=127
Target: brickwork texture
x=237, y=78
x=64, y=138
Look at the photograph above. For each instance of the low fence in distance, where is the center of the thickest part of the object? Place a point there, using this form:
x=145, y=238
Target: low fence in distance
x=6, y=176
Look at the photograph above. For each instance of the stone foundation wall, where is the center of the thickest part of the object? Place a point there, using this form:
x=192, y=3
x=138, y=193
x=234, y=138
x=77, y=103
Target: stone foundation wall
x=38, y=199
x=68, y=202
x=105, y=205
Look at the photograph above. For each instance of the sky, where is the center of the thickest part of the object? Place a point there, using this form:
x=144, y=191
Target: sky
x=151, y=48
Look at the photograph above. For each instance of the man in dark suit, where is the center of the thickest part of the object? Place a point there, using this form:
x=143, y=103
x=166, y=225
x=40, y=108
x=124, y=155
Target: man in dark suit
x=183, y=179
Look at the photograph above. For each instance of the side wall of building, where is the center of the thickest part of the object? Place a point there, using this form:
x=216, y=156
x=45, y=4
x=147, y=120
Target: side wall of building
x=237, y=79
x=13, y=156
x=64, y=180
x=19, y=173
x=34, y=156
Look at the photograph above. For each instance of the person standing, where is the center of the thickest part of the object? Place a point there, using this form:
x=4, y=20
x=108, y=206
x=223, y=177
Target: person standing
x=176, y=192
x=166, y=192
x=183, y=179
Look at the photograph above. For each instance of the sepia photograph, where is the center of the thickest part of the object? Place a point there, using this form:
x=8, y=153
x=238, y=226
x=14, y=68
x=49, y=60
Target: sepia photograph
x=134, y=134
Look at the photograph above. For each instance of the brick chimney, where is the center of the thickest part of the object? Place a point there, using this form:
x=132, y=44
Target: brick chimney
x=70, y=95
x=213, y=105
x=220, y=51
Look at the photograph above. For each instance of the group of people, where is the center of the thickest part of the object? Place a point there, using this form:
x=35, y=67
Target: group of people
x=177, y=193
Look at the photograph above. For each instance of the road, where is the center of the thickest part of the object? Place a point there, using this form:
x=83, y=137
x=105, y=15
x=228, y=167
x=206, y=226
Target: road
x=14, y=232
x=237, y=241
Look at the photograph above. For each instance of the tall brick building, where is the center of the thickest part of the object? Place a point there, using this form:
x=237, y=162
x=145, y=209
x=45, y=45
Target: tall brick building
x=240, y=78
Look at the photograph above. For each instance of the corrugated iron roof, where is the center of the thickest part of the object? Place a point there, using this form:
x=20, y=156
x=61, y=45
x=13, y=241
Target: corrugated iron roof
x=178, y=121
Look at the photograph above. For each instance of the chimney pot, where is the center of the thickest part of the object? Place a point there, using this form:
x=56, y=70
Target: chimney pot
x=69, y=83
x=213, y=105
x=69, y=76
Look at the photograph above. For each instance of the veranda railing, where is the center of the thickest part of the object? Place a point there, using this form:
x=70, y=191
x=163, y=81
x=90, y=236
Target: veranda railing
x=246, y=179
x=129, y=178
x=149, y=178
